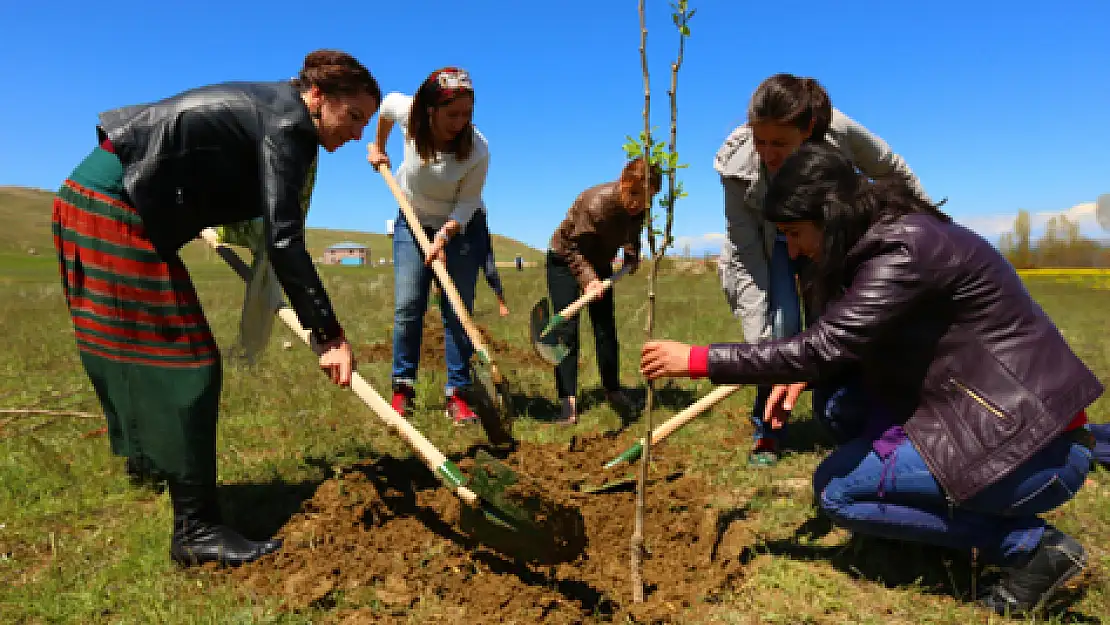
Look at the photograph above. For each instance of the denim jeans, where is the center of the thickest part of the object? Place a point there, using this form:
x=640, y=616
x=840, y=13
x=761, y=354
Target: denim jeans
x=1101, y=432
x=899, y=499
x=411, y=284
x=785, y=312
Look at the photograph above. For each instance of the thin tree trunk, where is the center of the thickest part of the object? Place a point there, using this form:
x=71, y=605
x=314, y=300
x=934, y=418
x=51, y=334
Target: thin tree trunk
x=637, y=542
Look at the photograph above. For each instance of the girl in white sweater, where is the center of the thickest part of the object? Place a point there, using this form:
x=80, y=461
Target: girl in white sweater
x=442, y=175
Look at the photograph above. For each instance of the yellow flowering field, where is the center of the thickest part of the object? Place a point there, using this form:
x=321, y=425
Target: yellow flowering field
x=1092, y=278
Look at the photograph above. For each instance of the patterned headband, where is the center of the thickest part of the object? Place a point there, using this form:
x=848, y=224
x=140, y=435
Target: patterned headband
x=451, y=82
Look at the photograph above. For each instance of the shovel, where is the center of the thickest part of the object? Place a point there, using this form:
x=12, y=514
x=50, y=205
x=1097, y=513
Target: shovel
x=546, y=340
x=669, y=426
x=485, y=495
x=495, y=403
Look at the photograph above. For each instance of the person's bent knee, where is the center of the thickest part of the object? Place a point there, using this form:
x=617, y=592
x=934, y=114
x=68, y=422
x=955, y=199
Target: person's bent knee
x=832, y=501
x=827, y=471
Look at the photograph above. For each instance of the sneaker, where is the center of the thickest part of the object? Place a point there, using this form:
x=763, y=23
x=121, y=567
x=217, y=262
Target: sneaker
x=764, y=454
x=459, y=411
x=403, y=395
x=1025, y=589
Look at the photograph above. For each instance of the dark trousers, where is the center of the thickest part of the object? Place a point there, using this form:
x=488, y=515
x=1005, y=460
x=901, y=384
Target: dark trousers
x=563, y=289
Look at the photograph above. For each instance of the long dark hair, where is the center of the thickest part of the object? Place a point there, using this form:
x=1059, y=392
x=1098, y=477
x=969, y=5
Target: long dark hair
x=434, y=92
x=790, y=100
x=819, y=184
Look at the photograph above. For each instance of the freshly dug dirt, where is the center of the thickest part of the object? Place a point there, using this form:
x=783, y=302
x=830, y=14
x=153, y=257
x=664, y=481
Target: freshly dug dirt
x=385, y=533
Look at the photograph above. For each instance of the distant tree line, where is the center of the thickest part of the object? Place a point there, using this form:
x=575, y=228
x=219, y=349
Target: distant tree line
x=1061, y=245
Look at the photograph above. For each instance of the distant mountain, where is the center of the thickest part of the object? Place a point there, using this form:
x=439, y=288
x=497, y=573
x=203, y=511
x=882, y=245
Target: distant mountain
x=25, y=216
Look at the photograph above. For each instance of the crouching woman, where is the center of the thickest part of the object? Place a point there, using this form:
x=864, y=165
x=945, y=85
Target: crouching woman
x=975, y=402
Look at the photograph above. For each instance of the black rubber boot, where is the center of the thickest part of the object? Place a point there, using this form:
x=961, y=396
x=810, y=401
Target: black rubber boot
x=1027, y=589
x=142, y=474
x=199, y=535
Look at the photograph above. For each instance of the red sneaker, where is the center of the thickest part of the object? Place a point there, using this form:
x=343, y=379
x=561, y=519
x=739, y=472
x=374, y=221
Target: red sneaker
x=459, y=411
x=403, y=395
x=765, y=453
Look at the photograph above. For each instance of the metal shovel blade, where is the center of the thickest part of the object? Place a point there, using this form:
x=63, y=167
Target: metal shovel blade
x=547, y=342
x=489, y=479
x=493, y=405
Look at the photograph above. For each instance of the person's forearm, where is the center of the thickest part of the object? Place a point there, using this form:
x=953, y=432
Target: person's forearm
x=385, y=126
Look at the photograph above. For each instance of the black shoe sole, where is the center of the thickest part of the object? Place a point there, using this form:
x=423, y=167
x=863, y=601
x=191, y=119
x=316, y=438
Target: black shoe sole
x=185, y=557
x=1045, y=600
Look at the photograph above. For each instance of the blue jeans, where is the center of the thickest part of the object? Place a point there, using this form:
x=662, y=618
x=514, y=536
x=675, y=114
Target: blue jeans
x=1101, y=432
x=411, y=284
x=899, y=499
x=785, y=310
x=842, y=408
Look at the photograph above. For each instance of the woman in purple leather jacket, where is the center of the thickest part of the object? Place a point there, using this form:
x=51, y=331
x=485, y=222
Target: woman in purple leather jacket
x=974, y=421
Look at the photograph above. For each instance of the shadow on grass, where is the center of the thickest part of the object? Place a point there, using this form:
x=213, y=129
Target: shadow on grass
x=260, y=509
x=669, y=398
x=536, y=407
x=898, y=564
x=808, y=435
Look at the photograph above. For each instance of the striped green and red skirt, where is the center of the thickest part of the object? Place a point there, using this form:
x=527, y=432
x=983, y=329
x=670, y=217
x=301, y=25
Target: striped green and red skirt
x=142, y=336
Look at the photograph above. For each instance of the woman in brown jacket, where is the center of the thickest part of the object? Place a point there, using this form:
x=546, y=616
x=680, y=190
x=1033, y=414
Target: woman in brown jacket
x=975, y=420
x=604, y=219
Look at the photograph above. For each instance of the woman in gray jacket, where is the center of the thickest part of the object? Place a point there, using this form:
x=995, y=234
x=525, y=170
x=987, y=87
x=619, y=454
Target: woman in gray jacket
x=757, y=274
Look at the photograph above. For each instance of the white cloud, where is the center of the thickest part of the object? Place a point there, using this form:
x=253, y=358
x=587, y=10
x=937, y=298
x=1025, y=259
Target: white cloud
x=710, y=241
x=990, y=226
x=993, y=226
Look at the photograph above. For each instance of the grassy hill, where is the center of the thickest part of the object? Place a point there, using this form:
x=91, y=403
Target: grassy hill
x=25, y=214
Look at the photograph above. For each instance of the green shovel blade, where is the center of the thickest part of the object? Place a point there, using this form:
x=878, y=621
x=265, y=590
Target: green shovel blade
x=609, y=485
x=549, y=345
x=489, y=480
x=629, y=455
x=494, y=406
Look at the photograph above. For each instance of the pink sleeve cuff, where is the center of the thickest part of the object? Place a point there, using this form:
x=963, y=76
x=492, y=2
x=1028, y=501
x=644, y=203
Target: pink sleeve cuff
x=699, y=361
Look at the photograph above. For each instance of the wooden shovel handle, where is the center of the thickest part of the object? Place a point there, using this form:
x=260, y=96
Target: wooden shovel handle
x=438, y=266
x=692, y=411
x=586, y=298
x=429, y=454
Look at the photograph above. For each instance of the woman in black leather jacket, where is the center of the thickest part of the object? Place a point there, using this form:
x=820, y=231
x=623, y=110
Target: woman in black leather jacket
x=164, y=171
x=974, y=414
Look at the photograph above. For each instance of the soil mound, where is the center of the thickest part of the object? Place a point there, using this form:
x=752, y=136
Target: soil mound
x=385, y=533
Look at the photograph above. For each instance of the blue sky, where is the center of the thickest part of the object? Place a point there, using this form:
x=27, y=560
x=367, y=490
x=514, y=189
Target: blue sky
x=997, y=105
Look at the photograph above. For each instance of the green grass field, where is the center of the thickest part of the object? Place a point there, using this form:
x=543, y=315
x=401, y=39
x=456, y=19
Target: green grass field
x=78, y=545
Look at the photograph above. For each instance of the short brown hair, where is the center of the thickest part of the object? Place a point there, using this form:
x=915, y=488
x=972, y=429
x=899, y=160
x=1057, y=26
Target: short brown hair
x=634, y=172
x=336, y=73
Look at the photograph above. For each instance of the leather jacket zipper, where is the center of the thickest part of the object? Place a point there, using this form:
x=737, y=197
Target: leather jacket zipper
x=979, y=399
